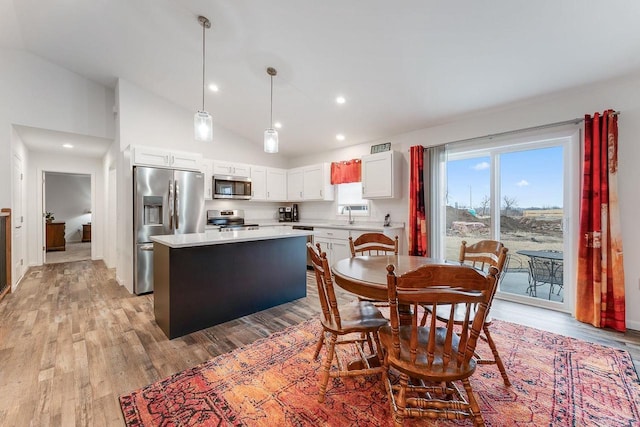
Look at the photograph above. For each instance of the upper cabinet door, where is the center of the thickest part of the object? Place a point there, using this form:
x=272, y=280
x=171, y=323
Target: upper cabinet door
x=381, y=175
x=233, y=169
x=188, y=161
x=294, y=184
x=258, y=183
x=149, y=156
x=317, y=182
x=276, y=184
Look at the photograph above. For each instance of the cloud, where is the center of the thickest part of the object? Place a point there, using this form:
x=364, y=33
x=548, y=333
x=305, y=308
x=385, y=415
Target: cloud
x=522, y=183
x=481, y=166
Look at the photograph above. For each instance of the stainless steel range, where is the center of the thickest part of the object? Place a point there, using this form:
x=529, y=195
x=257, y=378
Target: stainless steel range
x=229, y=220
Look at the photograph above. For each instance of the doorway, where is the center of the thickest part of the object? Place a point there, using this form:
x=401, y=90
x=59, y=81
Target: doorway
x=67, y=217
x=522, y=193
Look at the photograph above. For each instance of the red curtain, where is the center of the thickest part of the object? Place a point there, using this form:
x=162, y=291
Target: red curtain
x=346, y=171
x=600, y=298
x=417, y=216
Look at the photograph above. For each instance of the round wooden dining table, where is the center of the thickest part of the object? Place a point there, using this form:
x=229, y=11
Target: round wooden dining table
x=367, y=275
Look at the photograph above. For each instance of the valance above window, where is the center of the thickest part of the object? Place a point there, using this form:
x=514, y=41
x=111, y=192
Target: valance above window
x=347, y=171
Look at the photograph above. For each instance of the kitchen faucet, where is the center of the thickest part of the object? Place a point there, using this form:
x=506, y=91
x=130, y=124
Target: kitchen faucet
x=351, y=221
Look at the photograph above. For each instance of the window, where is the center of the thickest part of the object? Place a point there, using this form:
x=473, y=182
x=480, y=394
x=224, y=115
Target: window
x=521, y=190
x=349, y=196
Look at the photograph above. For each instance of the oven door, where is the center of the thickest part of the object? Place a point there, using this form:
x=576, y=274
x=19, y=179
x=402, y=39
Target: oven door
x=231, y=187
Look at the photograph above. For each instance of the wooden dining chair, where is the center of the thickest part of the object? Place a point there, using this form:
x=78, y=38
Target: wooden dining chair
x=354, y=324
x=481, y=256
x=373, y=244
x=428, y=360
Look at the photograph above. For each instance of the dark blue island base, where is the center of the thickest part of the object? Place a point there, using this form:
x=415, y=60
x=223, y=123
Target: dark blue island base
x=200, y=286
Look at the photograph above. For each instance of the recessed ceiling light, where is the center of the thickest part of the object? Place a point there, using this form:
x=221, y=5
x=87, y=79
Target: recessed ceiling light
x=213, y=87
x=277, y=125
x=340, y=137
x=340, y=100
x=67, y=145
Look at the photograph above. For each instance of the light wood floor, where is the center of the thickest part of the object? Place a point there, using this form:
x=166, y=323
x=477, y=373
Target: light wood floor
x=75, y=251
x=72, y=341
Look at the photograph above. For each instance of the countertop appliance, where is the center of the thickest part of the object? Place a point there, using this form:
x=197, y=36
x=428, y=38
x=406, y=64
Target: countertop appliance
x=285, y=214
x=229, y=220
x=231, y=187
x=165, y=201
x=295, y=213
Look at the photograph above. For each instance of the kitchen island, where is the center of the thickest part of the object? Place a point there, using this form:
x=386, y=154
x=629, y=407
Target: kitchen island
x=203, y=279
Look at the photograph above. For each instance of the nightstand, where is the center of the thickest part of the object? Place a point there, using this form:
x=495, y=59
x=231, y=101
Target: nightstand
x=86, y=232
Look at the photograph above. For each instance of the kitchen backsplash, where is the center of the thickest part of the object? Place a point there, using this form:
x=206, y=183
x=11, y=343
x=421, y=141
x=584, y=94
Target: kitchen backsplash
x=312, y=210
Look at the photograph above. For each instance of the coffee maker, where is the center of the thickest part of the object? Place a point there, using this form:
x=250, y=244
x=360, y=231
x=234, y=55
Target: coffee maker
x=285, y=214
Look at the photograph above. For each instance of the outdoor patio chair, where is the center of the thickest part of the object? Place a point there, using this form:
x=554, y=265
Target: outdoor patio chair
x=544, y=271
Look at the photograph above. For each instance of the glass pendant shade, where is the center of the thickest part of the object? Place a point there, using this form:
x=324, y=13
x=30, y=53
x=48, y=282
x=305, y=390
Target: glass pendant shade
x=203, y=126
x=270, y=141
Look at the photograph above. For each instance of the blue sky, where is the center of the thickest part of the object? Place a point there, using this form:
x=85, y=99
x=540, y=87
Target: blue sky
x=532, y=177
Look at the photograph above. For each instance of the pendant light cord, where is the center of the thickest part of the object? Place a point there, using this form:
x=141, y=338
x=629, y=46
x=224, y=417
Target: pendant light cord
x=204, y=27
x=271, y=111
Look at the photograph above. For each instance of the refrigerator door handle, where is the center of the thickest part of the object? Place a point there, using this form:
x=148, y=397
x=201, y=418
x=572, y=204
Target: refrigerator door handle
x=170, y=205
x=177, y=205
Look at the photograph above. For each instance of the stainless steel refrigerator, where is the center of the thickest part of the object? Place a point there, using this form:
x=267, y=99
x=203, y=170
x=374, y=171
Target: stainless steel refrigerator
x=165, y=201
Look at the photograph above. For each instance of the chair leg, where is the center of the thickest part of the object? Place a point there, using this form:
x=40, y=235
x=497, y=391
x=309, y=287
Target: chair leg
x=401, y=401
x=319, y=346
x=326, y=367
x=376, y=339
x=476, y=415
x=496, y=355
x=366, y=336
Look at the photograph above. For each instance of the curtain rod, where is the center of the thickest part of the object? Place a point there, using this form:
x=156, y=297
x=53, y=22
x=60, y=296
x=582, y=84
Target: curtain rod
x=515, y=131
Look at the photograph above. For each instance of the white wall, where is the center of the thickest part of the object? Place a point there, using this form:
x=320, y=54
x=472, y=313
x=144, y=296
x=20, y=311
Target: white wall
x=620, y=94
x=41, y=162
x=68, y=197
x=37, y=93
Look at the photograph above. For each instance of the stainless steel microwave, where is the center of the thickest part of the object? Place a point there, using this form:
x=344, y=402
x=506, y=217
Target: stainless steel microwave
x=231, y=187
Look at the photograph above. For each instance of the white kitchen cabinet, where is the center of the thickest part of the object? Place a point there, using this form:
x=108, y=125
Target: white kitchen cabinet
x=335, y=242
x=191, y=161
x=381, y=175
x=276, y=184
x=294, y=184
x=234, y=169
x=268, y=184
x=207, y=169
x=316, y=182
x=311, y=182
x=151, y=156
x=258, y=183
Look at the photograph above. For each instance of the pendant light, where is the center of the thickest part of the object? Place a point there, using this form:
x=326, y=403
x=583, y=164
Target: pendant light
x=202, y=122
x=271, y=135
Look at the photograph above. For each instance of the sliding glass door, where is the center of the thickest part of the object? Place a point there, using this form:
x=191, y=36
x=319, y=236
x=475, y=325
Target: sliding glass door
x=523, y=193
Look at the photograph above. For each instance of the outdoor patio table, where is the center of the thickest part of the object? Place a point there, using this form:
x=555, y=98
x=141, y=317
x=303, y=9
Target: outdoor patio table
x=555, y=271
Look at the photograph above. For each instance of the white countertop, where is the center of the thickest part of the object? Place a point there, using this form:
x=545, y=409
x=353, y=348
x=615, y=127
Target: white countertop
x=215, y=237
x=362, y=226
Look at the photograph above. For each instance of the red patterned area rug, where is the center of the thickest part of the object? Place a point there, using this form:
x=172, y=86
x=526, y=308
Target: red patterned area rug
x=556, y=381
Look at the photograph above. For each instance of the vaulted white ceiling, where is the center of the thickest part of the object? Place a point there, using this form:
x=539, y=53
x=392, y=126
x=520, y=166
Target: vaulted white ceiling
x=402, y=65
